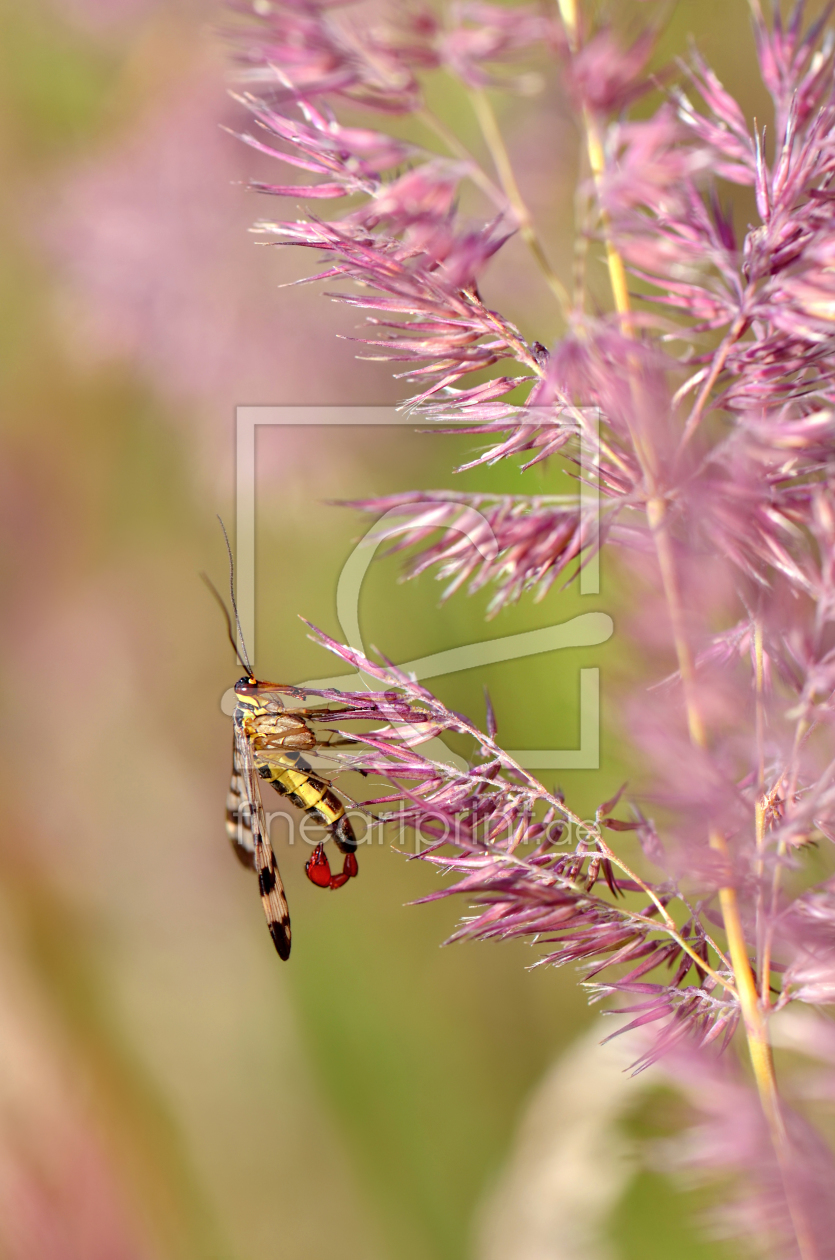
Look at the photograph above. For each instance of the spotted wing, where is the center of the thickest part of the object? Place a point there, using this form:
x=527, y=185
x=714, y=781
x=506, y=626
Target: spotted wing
x=252, y=843
x=238, y=825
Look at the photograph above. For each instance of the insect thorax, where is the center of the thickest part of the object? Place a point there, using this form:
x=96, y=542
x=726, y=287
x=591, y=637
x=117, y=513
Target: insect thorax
x=267, y=729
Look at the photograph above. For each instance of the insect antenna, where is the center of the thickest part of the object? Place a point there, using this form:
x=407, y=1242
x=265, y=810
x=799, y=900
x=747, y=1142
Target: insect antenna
x=241, y=653
x=205, y=577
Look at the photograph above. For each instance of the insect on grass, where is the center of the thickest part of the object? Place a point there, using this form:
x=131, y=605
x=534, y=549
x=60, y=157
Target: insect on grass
x=268, y=742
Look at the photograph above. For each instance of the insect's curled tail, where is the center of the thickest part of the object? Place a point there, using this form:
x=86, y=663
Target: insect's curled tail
x=318, y=868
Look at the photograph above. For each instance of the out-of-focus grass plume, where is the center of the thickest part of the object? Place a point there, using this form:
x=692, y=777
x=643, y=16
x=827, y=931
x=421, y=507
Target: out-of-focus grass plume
x=167, y=1089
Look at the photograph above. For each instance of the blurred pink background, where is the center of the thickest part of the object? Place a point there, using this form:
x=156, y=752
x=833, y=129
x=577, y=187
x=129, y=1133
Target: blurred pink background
x=167, y=1088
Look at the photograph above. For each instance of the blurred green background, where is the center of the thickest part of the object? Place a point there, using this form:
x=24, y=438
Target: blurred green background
x=167, y=1088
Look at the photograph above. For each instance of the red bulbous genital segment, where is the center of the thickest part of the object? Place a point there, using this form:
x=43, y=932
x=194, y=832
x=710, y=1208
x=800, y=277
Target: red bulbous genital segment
x=318, y=870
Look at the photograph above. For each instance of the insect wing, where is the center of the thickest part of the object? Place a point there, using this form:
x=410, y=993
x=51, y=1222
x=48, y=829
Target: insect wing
x=238, y=813
x=263, y=858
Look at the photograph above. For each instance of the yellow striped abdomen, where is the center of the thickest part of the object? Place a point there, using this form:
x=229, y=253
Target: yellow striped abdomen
x=305, y=789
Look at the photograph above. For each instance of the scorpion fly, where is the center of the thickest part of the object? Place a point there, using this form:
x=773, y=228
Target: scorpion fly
x=268, y=742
